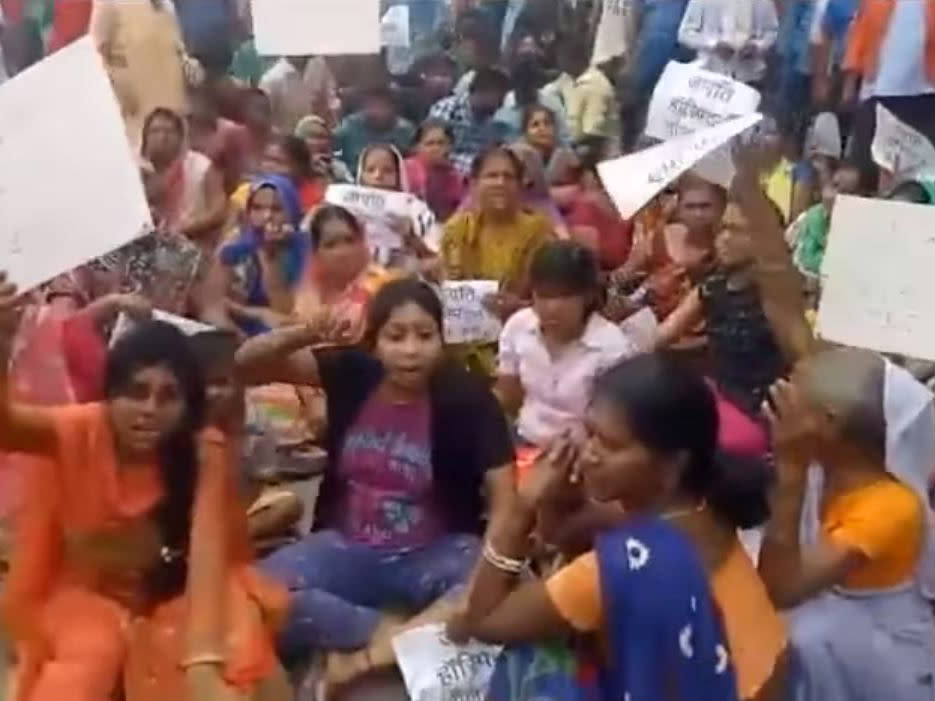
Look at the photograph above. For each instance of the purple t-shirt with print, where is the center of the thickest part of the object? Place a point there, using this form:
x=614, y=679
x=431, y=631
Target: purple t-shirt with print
x=386, y=464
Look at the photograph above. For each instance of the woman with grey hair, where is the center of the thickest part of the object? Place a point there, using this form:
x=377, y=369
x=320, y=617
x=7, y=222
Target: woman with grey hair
x=849, y=549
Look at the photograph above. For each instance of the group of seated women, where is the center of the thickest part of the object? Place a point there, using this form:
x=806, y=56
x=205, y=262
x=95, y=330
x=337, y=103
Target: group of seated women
x=595, y=536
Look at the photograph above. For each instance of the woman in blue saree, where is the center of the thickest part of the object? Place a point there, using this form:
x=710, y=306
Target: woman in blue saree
x=678, y=608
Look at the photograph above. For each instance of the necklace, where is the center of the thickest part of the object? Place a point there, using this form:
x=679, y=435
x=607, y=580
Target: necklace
x=678, y=513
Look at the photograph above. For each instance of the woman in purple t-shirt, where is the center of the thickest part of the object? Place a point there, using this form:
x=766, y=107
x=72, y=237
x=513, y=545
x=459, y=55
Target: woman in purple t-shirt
x=413, y=442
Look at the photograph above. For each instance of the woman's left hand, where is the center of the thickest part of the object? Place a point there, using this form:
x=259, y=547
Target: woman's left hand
x=793, y=428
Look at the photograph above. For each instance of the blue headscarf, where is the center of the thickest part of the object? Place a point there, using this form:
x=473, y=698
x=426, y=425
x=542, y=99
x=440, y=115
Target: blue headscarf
x=242, y=252
x=665, y=631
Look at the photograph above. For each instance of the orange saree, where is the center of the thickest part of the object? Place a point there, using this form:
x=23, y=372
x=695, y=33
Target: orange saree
x=73, y=602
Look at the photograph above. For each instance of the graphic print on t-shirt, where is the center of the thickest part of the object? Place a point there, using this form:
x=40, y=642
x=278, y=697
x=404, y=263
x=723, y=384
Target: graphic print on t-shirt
x=387, y=465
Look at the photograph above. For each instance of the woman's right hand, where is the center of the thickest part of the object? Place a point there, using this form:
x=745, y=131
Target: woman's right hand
x=553, y=472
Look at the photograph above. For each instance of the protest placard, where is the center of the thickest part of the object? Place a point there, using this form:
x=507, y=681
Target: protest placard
x=466, y=319
x=187, y=326
x=633, y=180
x=435, y=669
x=319, y=27
x=382, y=212
x=66, y=195
x=688, y=98
x=900, y=149
x=877, y=277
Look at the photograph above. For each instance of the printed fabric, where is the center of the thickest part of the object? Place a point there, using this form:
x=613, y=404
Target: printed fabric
x=386, y=462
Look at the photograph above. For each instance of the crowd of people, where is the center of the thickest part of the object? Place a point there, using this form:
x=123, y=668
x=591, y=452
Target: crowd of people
x=657, y=484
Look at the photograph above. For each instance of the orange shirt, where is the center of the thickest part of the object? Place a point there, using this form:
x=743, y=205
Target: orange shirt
x=884, y=521
x=755, y=631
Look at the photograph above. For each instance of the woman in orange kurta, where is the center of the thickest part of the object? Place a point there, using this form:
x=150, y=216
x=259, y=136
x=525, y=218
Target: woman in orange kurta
x=129, y=568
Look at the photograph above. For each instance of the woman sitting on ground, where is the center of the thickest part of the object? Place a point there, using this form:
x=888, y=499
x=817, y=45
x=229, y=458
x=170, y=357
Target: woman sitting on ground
x=261, y=266
x=495, y=239
x=670, y=505
x=412, y=442
x=551, y=353
x=130, y=571
x=430, y=172
x=190, y=189
x=850, y=542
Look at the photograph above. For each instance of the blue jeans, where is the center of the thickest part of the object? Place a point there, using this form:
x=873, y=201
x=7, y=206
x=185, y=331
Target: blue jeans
x=340, y=587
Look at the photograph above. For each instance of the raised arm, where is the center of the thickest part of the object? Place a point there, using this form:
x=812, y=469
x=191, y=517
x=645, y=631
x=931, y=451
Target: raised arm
x=23, y=428
x=283, y=355
x=779, y=283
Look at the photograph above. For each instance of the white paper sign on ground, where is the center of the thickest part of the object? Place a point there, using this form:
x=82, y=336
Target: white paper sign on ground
x=381, y=213
x=319, y=27
x=436, y=669
x=394, y=27
x=633, y=180
x=877, y=276
x=67, y=193
x=187, y=326
x=899, y=148
x=688, y=98
x=466, y=319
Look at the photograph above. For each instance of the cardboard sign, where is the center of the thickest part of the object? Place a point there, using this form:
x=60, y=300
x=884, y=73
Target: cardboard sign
x=316, y=27
x=466, y=319
x=633, y=180
x=381, y=213
x=900, y=149
x=435, y=669
x=688, y=98
x=67, y=195
x=877, y=277
x=187, y=326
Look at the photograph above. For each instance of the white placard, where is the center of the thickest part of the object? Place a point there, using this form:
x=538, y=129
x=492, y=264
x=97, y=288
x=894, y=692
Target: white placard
x=394, y=27
x=899, y=148
x=877, y=277
x=316, y=27
x=688, y=98
x=632, y=181
x=435, y=669
x=187, y=326
x=68, y=194
x=380, y=211
x=466, y=319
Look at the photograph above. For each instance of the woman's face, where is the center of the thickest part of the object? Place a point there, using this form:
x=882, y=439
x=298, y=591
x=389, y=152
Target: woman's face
x=341, y=250
x=435, y=146
x=319, y=141
x=147, y=411
x=845, y=181
x=733, y=245
x=265, y=210
x=561, y=314
x=540, y=132
x=410, y=347
x=615, y=465
x=380, y=170
x=498, y=184
x=276, y=161
x=163, y=139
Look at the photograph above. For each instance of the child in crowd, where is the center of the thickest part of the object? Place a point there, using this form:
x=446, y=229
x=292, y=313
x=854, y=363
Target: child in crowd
x=273, y=512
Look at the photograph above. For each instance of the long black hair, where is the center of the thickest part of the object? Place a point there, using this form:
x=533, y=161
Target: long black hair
x=156, y=343
x=671, y=410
